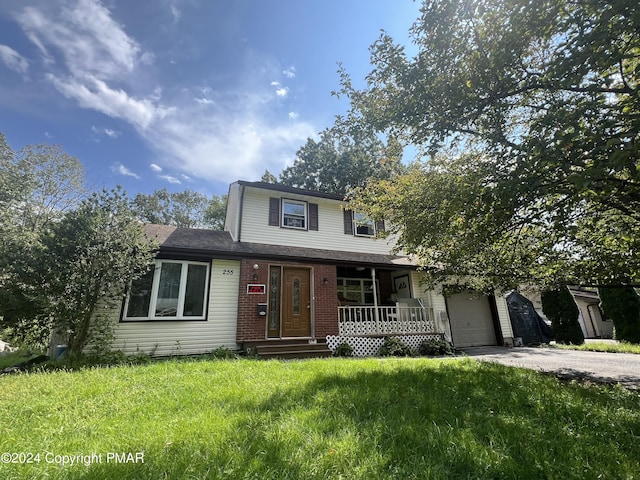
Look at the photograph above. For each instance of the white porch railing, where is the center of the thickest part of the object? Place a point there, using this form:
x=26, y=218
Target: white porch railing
x=369, y=320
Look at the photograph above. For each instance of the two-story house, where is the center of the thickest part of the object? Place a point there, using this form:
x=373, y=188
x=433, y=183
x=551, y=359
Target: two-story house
x=292, y=267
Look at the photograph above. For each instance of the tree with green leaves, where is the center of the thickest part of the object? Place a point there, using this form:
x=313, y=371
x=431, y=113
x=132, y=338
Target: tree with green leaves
x=216, y=212
x=88, y=259
x=268, y=177
x=39, y=185
x=537, y=105
x=559, y=307
x=61, y=253
x=338, y=162
x=622, y=306
x=186, y=209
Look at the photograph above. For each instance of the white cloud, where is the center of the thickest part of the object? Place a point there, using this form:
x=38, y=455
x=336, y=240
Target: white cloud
x=96, y=53
x=170, y=179
x=155, y=168
x=175, y=13
x=293, y=115
x=48, y=135
x=86, y=36
x=281, y=91
x=147, y=58
x=90, y=59
x=186, y=178
x=235, y=140
x=204, y=101
x=120, y=169
x=97, y=95
x=13, y=60
x=106, y=131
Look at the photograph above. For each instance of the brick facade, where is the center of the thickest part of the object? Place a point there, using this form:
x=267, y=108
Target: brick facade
x=252, y=326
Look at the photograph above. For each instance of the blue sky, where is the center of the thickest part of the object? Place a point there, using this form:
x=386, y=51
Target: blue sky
x=182, y=93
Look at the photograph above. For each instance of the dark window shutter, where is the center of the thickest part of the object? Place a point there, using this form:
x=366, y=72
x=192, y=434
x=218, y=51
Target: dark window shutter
x=313, y=216
x=380, y=226
x=274, y=211
x=348, y=222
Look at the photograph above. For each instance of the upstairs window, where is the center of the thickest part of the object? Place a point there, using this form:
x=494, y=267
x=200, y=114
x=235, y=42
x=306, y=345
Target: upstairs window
x=294, y=214
x=363, y=226
x=173, y=290
x=359, y=225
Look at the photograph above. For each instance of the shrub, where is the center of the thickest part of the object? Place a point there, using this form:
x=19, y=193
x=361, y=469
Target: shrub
x=622, y=306
x=343, y=350
x=223, y=353
x=435, y=347
x=394, y=347
x=559, y=307
x=78, y=361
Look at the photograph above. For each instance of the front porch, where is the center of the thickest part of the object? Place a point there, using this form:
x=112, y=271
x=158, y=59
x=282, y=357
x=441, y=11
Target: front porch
x=401, y=319
x=364, y=327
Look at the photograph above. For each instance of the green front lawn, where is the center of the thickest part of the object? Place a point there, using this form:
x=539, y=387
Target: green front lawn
x=324, y=419
x=9, y=359
x=620, y=347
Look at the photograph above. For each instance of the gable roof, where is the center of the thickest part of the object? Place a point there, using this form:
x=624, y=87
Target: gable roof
x=194, y=243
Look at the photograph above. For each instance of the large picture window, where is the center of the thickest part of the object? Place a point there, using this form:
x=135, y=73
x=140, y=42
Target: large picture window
x=173, y=290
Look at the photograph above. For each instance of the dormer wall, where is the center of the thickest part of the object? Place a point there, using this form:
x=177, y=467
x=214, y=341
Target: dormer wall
x=298, y=218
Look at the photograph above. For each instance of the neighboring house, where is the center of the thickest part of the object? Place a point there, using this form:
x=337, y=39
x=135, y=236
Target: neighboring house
x=592, y=321
x=5, y=347
x=292, y=266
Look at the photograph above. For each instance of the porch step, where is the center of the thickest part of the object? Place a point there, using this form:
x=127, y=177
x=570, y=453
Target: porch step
x=289, y=349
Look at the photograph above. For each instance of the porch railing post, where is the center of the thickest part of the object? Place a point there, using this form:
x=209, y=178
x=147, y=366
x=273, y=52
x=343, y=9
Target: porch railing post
x=376, y=313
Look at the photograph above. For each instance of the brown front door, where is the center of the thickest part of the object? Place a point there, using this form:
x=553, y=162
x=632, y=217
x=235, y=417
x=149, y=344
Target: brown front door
x=296, y=302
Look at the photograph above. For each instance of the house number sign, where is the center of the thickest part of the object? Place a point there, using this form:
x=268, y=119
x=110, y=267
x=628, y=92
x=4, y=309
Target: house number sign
x=256, y=289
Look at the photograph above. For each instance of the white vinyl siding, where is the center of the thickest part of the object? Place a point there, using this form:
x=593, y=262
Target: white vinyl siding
x=232, y=216
x=168, y=337
x=330, y=234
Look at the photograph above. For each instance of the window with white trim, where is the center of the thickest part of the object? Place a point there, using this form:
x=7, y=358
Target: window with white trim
x=294, y=214
x=363, y=226
x=173, y=290
x=357, y=291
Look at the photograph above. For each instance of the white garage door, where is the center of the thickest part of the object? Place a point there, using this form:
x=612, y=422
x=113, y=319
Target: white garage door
x=471, y=320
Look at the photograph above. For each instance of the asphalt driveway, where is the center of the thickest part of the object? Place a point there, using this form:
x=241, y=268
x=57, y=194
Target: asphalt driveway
x=610, y=368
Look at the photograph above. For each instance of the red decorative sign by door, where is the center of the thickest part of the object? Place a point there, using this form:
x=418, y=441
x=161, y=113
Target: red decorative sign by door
x=256, y=289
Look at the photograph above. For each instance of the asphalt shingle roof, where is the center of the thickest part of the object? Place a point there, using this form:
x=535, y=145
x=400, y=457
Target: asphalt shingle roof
x=211, y=243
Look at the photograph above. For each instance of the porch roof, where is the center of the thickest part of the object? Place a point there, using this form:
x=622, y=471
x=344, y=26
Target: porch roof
x=201, y=243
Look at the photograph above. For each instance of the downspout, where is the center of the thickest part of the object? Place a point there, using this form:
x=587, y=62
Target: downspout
x=376, y=313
